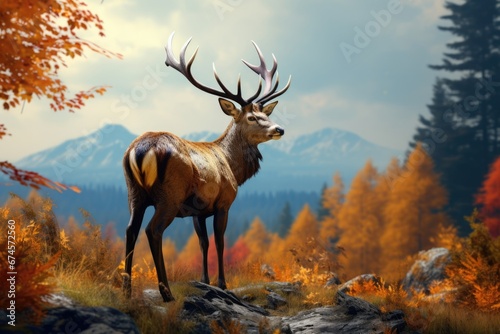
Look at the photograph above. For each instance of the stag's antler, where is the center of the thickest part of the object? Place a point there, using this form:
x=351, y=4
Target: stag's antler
x=261, y=70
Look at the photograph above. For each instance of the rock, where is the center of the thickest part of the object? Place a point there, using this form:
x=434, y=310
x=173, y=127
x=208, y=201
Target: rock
x=58, y=299
x=267, y=271
x=214, y=304
x=152, y=296
x=86, y=320
x=283, y=287
x=333, y=281
x=346, y=287
x=349, y=315
x=274, y=300
x=68, y=317
x=429, y=267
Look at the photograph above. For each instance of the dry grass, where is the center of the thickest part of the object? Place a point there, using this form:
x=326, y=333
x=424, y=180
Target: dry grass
x=448, y=318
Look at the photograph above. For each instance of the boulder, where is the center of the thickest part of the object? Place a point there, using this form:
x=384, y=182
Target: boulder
x=334, y=281
x=58, y=299
x=274, y=301
x=361, y=279
x=285, y=288
x=349, y=315
x=86, y=320
x=63, y=315
x=428, y=268
x=223, y=307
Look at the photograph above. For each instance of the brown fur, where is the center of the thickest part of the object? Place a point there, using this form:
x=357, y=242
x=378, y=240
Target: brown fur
x=182, y=178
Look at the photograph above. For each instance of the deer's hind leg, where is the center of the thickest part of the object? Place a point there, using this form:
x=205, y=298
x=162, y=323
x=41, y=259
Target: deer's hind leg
x=200, y=227
x=162, y=218
x=136, y=216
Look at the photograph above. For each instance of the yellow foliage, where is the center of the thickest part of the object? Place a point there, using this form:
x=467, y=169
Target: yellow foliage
x=23, y=252
x=413, y=212
x=258, y=240
x=311, y=276
x=360, y=224
x=475, y=269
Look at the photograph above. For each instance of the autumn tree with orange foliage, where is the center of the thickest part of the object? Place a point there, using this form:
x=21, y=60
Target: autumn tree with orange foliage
x=36, y=38
x=190, y=255
x=489, y=200
x=360, y=224
x=302, y=237
x=474, y=272
x=257, y=240
x=414, y=210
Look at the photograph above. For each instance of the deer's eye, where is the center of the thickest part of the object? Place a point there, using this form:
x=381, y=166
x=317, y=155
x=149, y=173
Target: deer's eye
x=251, y=118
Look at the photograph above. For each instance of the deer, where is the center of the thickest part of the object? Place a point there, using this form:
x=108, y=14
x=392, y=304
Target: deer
x=182, y=178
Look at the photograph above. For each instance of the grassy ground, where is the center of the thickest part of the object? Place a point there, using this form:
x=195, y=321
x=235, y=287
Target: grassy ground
x=438, y=318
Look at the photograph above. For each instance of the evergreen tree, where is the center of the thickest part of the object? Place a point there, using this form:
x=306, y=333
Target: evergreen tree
x=285, y=220
x=466, y=108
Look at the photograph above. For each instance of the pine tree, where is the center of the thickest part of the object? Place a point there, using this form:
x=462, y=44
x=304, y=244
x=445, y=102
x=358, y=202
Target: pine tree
x=332, y=200
x=465, y=110
x=360, y=225
x=285, y=220
x=436, y=129
x=489, y=200
x=414, y=211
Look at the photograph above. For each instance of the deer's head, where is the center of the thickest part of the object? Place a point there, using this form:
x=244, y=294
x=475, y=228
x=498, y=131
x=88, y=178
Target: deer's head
x=252, y=115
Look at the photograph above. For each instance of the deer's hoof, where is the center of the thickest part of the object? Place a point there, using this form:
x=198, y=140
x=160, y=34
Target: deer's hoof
x=222, y=285
x=166, y=294
x=126, y=286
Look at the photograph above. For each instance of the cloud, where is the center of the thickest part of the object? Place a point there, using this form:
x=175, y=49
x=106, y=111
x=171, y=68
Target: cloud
x=379, y=95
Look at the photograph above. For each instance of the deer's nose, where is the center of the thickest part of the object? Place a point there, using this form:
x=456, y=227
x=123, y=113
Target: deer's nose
x=280, y=130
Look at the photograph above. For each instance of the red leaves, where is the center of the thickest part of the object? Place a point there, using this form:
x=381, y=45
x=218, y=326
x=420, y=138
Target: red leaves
x=32, y=179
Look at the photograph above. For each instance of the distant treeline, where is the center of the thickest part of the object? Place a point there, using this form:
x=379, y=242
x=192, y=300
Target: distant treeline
x=108, y=205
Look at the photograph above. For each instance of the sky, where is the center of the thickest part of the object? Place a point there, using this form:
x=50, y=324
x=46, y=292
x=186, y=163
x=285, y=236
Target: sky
x=360, y=66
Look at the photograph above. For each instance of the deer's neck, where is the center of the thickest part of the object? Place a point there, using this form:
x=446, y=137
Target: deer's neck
x=243, y=157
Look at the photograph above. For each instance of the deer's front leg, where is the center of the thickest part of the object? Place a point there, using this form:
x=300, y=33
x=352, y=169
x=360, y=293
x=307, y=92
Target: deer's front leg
x=200, y=227
x=220, y=223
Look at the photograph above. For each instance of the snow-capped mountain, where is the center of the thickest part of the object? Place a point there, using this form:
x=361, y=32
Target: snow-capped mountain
x=304, y=163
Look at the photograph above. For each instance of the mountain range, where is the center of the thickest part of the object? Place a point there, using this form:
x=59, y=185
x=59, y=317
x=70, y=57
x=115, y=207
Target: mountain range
x=292, y=174
x=304, y=163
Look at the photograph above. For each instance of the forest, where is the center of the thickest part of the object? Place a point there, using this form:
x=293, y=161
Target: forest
x=446, y=193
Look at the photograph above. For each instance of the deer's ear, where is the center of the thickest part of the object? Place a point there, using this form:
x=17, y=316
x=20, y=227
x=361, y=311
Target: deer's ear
x=269, y=108
x=228, y=108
